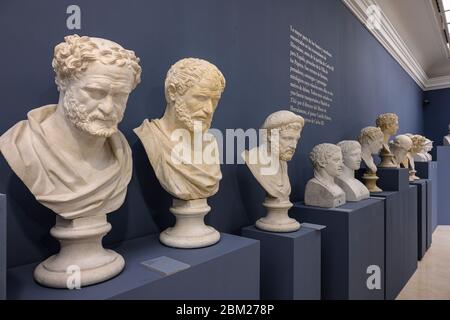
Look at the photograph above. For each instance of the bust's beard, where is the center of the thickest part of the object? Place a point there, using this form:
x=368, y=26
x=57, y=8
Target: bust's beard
x=283, y=155
x=286, y=156
x=185, y=118
x=84, y=121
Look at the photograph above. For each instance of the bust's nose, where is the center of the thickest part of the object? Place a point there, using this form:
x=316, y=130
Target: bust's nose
x=106, y=106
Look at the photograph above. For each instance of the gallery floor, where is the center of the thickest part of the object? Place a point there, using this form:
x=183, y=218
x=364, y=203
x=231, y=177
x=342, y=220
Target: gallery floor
x=432, y=278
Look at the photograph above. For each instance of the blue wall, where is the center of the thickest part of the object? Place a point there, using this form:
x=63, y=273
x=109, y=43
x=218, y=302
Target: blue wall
x=248, y=40
x=437, y=116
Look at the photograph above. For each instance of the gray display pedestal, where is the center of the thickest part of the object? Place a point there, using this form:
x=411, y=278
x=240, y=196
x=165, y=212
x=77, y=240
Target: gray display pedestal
x=443, y=159
x=400, y=238
x=227, y=270
x=290, y=262
x=393, y=179
x=429, y=170
x=352, y=244
x=422, y=216
x=2, y=247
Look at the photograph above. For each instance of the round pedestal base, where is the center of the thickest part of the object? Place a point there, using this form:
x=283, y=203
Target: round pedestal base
x=387, y=160
x=412, y=176
x=82, y=260
x=171, y=238
x=277, y=218
x=69, y=279
x=370, y=181
x=190, y=230
x=267, y=225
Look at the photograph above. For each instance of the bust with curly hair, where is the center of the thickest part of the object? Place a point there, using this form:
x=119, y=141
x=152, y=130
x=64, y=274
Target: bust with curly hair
x=388, y=123
x=424, y=154
x=73, y=158
x=193, y=88
x=322, y=190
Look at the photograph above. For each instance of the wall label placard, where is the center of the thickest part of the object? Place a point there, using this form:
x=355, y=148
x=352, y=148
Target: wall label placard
x=309, y=74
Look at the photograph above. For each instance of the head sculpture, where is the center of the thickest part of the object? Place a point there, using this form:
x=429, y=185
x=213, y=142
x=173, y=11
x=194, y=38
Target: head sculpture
x=418, y=143
x=94, y=77
x=388, y=123
x=371, y=138
x=427, y=145
x=193, y=88
x=327, y=157
x=400, y=146
x=289, y=127
x=351, y=153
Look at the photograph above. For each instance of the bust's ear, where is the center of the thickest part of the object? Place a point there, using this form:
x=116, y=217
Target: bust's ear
x=171, y=92
x=321, y=164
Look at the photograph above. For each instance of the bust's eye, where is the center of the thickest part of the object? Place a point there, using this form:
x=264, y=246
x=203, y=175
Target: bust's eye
x=201, y=97
x=96, y=93
x=121, y=95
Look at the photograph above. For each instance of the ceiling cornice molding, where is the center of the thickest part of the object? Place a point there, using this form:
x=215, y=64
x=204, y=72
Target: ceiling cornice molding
x=391, y=40
x=438, y=83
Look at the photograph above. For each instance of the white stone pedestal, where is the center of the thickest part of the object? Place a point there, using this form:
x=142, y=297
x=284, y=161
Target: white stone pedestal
x=277, y=218
x=82, y=259
x=190, y=230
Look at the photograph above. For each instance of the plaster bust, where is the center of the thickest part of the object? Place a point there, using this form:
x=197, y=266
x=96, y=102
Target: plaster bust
x=371, y=140
x=424, y=154
x=353, y=188
x=400, y=147
x=276, y=150
x=193, y=88
x=416, y=147
x=322, y=191
x=73, y=158
x=388, y=123
x=447, y=138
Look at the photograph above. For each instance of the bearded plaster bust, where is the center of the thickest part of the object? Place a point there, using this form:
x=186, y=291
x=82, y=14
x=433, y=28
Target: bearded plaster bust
x=353, y=188
x=371, y=140
x=193, y=88
x=388, y=123
x=73, y=158
x=322, y=190
x=268, y=164
x=400, y=147
x=416, y=147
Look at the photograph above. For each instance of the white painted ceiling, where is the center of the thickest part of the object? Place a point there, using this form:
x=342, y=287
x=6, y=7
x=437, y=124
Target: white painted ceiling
x=417, y=23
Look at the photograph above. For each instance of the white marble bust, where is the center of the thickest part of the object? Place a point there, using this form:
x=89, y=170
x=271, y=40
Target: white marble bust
x=73, y=158
x=400, y=147
x=322, y=190
x=424, y=154
x=388, y=123
x=283, y=132
x=371, y=140
x=354, y=190
x=193, y=88
x=447, y=138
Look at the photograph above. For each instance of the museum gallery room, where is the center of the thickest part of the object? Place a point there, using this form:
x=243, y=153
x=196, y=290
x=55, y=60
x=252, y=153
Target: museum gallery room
x=253, y=150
